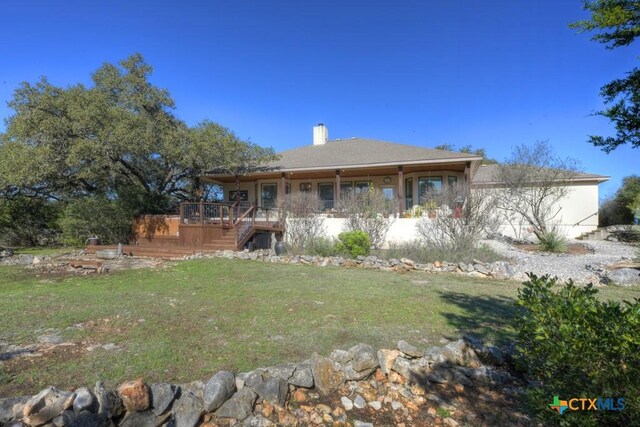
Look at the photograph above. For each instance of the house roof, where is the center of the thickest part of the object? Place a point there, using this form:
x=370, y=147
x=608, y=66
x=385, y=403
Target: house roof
x=352, y=152
x=486, y=175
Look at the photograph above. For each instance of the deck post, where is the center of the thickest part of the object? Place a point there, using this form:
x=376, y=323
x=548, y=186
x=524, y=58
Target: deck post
x=181, y=213
x=467, y=179
x=336, y=204
x=201, y=212
x=400, y=191
x=282, y=191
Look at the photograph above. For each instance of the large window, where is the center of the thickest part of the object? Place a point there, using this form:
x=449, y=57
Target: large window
x=346, y=187
x=269, y=195
x=408, y=193
x=325, y=192
x=428, y=185
x=362, y=186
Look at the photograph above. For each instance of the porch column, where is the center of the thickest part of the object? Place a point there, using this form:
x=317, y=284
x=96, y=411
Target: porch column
x=400, y=191
x=336, y=197
x=282, y=191
x=467, y=179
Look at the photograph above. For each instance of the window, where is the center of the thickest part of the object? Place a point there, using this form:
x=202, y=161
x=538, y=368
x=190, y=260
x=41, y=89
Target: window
x=325, y=192
x=428, y=185
x=346, y=186
x=269, y=195
x=362, y=186
x=305, y=187
x=453, y=180
x=408, y=193
x=233, y=195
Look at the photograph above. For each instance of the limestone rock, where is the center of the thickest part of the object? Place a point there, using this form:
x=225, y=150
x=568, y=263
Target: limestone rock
x=85, y=401
x=47, y=405
x=109, y=403
x=362, y=362
x=501, y=270
x=273, y=390
x=6, y=407
x=624, y=277
x=240, y=405
x=140, y=419
x=302, y=376
x=386, y=359
x=407, y=369
x=135, y=395
x=162, y=396
x=327, y=374
x=408, y=349
x=284, y=371
x=359, y=402
x=187, y=410
x=220, y=387
x=347, y=403
x=460, y=353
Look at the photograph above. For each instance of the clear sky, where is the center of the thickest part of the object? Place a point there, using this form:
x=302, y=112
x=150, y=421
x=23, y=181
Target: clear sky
x=488, y=73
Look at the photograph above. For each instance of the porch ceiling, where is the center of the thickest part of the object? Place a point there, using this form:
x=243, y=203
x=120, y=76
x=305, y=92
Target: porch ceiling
x=344, y=173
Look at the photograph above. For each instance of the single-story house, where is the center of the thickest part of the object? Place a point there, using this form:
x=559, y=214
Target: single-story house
x=403, y=173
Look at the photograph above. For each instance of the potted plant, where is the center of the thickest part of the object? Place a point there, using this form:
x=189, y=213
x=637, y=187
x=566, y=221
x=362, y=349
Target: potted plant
x=430, y=206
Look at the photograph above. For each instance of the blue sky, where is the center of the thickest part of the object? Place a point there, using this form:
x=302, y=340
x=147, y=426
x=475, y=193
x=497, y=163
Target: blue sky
x=492, y=74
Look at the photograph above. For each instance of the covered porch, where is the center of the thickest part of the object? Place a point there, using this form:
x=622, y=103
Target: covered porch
x=404, y=185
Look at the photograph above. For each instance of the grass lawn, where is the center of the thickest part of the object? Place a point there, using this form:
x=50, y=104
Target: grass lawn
x=192, y=318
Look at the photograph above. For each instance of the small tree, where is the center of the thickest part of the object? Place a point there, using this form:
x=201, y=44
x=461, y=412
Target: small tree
x=303, y=222
x=532, y=182
x=367, y=211
x=462, y=220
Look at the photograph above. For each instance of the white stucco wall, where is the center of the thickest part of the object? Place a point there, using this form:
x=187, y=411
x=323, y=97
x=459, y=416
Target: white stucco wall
x=578, y=206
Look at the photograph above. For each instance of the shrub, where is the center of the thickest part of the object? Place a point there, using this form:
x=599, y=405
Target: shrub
x=367, y=211
x=322, y=246
x=26, y=221
x=552, y=241
x=304, y=224
x=96, y=216
x=355, y=243
x=461, y=220
x=578, y=346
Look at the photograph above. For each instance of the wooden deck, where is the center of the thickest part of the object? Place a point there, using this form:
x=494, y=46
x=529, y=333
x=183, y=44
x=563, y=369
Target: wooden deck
x=202, y=227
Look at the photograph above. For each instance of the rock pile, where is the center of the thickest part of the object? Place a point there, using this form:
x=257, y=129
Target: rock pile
x=497, y=269
x=402, y=386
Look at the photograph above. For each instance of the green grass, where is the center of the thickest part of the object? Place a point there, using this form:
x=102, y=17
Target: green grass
x=185, y=321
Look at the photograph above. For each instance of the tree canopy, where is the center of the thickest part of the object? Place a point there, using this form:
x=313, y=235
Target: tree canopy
x=117, y=138
x=114, y=146
x=617, y=23
x=469, y=149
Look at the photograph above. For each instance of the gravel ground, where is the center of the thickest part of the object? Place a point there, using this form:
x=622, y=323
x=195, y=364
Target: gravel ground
x=580, y=268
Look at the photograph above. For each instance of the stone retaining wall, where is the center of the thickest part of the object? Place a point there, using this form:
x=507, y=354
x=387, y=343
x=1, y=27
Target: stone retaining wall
x=497, y=269
x=388, y=384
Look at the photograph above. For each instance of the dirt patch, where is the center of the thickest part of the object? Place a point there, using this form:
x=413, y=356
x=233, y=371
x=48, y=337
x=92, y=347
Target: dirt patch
x=572, y=249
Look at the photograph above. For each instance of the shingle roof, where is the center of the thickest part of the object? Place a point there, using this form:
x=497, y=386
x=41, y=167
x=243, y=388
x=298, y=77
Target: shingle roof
x=361, y=151
x=486, y=175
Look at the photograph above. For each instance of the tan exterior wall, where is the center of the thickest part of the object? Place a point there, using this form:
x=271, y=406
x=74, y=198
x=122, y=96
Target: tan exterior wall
x=254, y=188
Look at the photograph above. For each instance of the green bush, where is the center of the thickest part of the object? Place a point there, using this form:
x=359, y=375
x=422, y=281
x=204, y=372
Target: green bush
x=26, y=221
x=322, y=246
x=355, y=243
x=577, y=346
x=107, y=219
x=552, y=241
